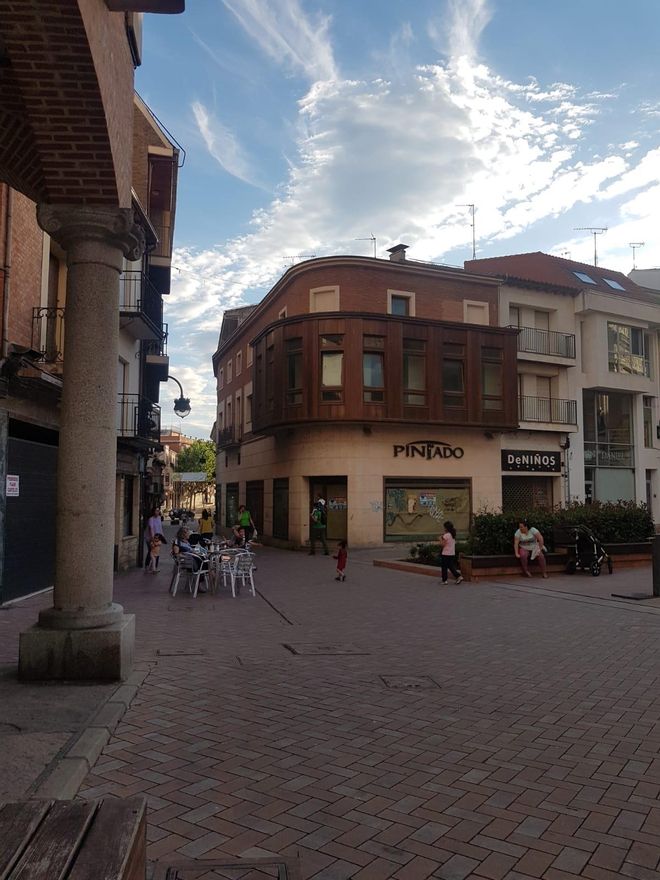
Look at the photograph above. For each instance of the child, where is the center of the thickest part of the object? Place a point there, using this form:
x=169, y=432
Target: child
x=154, y=550
x=341, y=556
x=448, y=555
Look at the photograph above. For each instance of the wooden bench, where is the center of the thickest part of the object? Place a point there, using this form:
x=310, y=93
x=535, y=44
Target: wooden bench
x=73, y=840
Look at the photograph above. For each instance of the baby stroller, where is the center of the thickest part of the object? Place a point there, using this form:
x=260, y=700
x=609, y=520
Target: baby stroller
x=590, y=555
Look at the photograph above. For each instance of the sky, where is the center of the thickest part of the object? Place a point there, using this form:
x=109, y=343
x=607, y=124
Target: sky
x=311, y=128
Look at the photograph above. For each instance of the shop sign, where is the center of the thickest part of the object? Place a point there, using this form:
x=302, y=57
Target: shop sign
x=12, y=486
x=427, y=449
x=531, y=461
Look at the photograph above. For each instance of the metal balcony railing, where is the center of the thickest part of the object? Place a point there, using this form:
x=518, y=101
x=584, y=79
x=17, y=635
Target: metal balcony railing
x=139, y=297
x=545, y=341
x=138, y=417
x=48, y=333
x=156, y=347
x=164, y=233
x=547, y=409
x=229, y=436
x=626, y=362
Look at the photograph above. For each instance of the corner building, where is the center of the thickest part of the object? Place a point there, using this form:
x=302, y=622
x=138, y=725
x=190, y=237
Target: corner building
x=381, y=385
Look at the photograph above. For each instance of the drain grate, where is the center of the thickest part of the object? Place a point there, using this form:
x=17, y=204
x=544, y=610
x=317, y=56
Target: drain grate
x=324, y=650
x=178, y=652
x=409, y=682
x=248, y=869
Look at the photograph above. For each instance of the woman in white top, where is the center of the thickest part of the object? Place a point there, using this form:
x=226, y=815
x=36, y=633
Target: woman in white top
x=153, y=527
x=528, y=544
x=448, y=554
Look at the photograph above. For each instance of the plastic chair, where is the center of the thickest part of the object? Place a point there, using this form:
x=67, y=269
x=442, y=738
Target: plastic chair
x=242, y=569
x=195, y=569
x=221, y=565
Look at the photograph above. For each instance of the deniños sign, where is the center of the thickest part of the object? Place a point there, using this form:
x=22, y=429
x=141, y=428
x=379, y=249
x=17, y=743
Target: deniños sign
x=530, y=461
x=427, y=449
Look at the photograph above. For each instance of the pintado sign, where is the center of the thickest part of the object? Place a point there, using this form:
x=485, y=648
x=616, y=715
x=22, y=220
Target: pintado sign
x=427, y=449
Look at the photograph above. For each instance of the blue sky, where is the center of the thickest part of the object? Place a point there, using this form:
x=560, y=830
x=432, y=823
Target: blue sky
x=309, y=125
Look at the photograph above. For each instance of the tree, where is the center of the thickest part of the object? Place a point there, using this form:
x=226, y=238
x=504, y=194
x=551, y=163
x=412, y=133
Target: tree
x=199, y=456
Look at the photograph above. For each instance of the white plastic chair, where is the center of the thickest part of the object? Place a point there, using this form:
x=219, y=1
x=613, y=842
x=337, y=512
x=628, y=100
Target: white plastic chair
x=187, y=563
x=242, y=568
x=221, y=565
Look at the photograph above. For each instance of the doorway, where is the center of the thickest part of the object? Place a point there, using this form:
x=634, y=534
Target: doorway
x=335, y=492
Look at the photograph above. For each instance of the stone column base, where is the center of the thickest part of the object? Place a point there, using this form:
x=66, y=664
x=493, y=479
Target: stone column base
x=101, y=654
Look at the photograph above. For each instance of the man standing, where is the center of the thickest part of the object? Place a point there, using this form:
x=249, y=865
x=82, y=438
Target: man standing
x=317, y=527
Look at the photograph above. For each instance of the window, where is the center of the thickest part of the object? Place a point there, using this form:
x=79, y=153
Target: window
x=221, y=378
x=613, y=284
x=475, y=312
x=514, y=316
x=628, y=350
x=414, y=372
x=492, y=378
x=373, y=369
x=453, y=375
x=401, y=302
x=294, y=379
x=270, y=377
x=413, y=508
x=248, y=412
x=248, y=362
x=332, y=368
x=648, y=422
x=127, y=507
x=608, y=430
x=582, y=276
x=229, y=371
x=324, y=299
x=239, y=362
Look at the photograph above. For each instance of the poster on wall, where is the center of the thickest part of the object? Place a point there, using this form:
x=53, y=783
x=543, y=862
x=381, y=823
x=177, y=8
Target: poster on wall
x=417, y=513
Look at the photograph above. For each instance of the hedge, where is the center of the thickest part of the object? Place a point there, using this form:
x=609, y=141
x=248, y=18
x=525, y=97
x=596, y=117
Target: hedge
x=492, y=533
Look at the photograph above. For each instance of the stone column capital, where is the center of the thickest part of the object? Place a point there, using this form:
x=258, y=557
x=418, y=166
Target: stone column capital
x=72, y=225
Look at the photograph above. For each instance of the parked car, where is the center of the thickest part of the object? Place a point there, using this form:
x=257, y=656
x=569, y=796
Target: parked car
x=181, y=514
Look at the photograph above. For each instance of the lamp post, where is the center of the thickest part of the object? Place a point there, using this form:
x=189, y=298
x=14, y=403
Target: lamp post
x=181, y=404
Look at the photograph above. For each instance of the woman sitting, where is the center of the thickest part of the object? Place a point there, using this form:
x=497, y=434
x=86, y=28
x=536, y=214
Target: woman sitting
x=181, y=544
x=528, y=544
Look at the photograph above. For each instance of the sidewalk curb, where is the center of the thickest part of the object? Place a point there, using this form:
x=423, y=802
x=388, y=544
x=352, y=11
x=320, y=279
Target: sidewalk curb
x=67, y=772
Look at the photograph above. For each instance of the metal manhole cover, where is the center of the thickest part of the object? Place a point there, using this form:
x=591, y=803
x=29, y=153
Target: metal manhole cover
x=252, y=869
x=182, y=652
x=324, y=650
x=409, y=682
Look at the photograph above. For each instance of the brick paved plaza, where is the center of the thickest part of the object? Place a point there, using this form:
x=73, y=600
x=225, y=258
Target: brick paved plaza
x=503, y=730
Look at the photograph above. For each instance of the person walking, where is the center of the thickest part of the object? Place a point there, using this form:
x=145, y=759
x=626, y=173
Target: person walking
x=153, y=527
x=245, y=522
x=206, y=525
x=448, y=553
x=341, y=556
x=317, y=527
x=528, y=544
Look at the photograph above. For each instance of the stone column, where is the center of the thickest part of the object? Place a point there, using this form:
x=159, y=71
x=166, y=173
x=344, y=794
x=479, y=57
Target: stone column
x=85, y=635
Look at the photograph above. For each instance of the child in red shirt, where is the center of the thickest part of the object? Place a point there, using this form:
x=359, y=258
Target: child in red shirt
x=341, y=556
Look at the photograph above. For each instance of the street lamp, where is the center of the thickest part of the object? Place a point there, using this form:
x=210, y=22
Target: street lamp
x=181, y=404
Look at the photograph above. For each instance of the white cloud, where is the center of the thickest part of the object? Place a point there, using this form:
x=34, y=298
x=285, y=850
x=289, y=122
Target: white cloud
x=457, y=33
x=222, y=145
x=287, y=35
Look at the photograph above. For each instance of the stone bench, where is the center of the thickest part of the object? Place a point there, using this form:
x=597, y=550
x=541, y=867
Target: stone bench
x=73, y=840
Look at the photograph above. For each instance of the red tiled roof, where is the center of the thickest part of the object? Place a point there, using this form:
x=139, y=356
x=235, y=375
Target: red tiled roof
x=545, y=269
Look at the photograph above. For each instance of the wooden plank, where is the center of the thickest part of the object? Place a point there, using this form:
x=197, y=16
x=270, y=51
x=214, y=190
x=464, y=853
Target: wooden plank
x=18, y=823
x=116, y=844
x=56, y=843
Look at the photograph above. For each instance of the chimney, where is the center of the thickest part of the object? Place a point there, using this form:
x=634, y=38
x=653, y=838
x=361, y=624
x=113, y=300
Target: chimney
x=398, y=253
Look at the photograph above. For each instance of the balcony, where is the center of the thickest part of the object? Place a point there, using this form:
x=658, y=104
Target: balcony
x=48, y=334
x=228, y=437
x=155, y=356
x=629, y=363
x=549, y=410
x=138, y=419
x=548, y=342
x=140, y=306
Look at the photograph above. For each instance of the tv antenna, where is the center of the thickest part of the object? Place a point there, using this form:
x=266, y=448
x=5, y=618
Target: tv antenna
x=594, y=230
x=294, y=257
x=474, y=240
x=372, y=239
x=634, y=245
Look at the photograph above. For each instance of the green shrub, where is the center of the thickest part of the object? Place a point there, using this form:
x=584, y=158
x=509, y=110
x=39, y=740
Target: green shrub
x=613, y=523
x=429, y=554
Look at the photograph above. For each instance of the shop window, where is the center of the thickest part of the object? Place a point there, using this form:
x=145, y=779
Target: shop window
x=231, y=505
x=492, y=379
x=294, y=377
x=332, y=368
x=401, y=302
x=453, y=375
x=414, y=372
x=628, y=350
x=324, y=299
x=373, y=369
x=648, y=422
x=416, y=509
x=127, y=507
